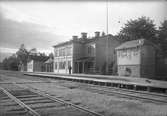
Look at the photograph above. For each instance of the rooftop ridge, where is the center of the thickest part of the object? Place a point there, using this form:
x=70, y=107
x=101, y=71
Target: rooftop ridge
x=87, y=40
x=135, y=43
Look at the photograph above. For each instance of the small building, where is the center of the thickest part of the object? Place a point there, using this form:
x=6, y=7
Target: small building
x=35, y=63
x=85, y=55
x=48, y=65
x=136, y=58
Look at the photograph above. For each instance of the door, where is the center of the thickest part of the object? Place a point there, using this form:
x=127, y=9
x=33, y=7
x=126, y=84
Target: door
x=80, y=67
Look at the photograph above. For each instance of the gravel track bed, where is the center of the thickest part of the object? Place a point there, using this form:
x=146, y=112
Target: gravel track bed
x=107, y=105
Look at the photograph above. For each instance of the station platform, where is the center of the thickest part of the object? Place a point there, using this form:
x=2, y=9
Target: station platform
x=143, y=84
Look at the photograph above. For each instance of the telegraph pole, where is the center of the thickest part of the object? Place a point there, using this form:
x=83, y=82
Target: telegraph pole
x=107, y=17
x=107, y=47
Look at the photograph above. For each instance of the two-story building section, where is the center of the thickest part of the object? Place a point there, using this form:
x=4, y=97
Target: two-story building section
x=85, y=55
x=63, y=56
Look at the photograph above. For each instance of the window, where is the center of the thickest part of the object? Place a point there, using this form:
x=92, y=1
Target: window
x=62, y=65
x=62, y=52
x=135, y=52
x=124, y=53
x=55, y=65
x=56, y=53
x=91, y=49
x=129, y=52
x=30, y=66
x=90, y=64
x=119, y=53
x=69, y=51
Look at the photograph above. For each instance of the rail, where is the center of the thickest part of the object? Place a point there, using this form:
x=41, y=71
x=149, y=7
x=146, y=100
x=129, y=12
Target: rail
x=31, y=111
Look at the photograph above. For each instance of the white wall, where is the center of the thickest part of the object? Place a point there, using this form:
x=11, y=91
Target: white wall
x=63, y=59
x=30, y=66
x=128, y=56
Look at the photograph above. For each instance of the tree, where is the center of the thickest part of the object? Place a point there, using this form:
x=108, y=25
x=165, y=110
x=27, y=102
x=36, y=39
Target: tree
x=13, y=62
x=162, y=35
x=10, y=63
x=51, y=55
x=139, y=28
x=1, y=66
x=5, y=64
x=22, y=55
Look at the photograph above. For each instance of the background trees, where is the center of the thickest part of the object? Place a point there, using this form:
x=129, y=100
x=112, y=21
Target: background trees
x=162, y=36
x=18, y=61
x=145, y=28
x=10, y=63
x=22, y=54
x=142, y=27
x=13, y=62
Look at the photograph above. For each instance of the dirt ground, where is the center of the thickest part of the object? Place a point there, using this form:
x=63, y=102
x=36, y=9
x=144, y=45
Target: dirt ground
x=107, y=105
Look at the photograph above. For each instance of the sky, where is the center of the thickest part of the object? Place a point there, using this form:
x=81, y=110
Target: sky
x=43, y=24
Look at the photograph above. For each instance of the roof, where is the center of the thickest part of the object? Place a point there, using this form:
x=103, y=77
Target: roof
x=37, y=58
x=63, y=43
x=50, y=60
x=87, y=40
x=135, y=43
x=101, y=37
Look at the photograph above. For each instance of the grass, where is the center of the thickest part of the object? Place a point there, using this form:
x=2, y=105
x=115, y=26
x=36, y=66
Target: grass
x=107, y=105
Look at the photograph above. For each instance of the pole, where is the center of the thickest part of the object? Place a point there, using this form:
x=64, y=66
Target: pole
x=107, y=17
x=107, y=37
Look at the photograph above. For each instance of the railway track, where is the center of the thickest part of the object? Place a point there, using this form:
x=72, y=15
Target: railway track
x=132, y=94
x=19, y=101
x=112, y=91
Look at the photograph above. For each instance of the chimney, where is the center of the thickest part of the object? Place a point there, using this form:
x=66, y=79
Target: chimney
x=97, y=34
x=83, y=35
x=75, y=37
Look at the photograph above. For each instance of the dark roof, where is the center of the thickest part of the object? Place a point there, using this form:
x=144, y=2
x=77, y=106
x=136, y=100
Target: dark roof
x=63, y=43
x=80, y=40
x=37, y=58
x=97, y=38
x=50, y=60
x=134, y=43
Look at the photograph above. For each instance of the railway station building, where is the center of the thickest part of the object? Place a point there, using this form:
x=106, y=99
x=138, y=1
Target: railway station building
x=86, y=55
x=36, y=63
x=137, y=58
